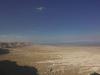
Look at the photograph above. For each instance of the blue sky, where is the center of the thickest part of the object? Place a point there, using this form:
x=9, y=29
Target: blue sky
x=50, y=20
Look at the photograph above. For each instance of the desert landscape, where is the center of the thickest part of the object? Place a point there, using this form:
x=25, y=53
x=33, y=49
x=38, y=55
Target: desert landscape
x=49, y=37
x=55, y=60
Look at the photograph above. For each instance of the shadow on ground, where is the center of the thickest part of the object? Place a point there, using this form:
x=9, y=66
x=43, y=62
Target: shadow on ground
x=3, y=51
x=11, y=68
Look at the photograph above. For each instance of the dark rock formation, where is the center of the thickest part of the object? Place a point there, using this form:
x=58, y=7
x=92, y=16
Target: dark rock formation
x=11, y=68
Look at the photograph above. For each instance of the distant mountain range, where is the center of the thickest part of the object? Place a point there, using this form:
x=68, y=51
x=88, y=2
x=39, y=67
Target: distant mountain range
x=14, y=44
x=74, y=44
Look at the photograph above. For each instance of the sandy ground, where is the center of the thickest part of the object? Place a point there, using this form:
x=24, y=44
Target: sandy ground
x=45, y=56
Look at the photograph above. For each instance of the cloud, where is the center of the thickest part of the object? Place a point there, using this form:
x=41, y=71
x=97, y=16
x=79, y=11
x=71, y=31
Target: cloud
x=40, y=8
x=13, y=38
x=65, y=38
x=50, y=38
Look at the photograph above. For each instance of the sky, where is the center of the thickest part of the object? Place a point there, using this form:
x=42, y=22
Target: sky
x=50, y=21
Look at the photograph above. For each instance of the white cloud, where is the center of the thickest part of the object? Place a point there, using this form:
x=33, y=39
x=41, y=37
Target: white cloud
x=40, y=8
x=65, y=38
x=13, y=38
x=50, y=38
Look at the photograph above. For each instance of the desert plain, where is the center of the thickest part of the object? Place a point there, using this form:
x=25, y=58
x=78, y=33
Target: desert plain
x=57, y=60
